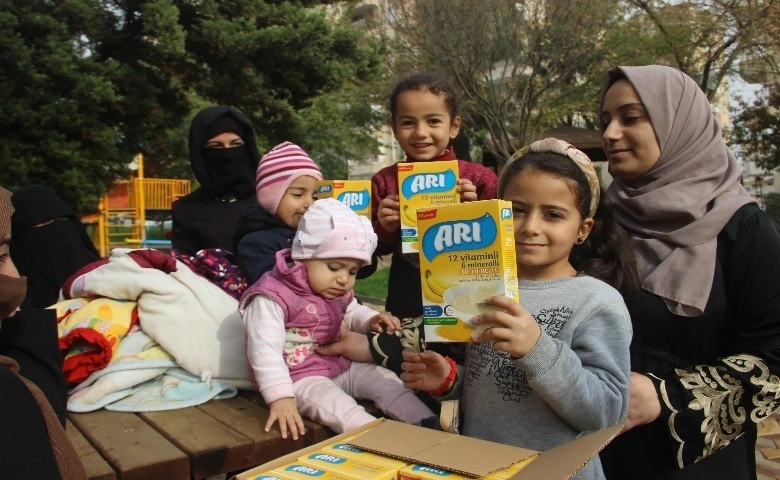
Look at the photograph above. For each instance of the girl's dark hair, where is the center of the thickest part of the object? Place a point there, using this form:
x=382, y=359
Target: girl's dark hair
x=606, y=253
x=435, y=83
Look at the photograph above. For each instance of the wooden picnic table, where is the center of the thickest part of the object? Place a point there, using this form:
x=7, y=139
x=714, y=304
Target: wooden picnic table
x=193, y=443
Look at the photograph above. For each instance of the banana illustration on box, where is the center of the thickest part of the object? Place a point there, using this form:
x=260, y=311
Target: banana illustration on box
x=410, y=216
x=437, y=284
x=430, y=294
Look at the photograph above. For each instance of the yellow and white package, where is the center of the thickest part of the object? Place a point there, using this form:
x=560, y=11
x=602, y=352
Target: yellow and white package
x=275, y=476
x=467, y=253
x=356, y=194
x=349, y=467
x=302, y=471
x=425, y=472
x=422, y=185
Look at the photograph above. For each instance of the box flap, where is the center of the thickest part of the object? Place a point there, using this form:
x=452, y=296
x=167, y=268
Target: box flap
x=448, y=451
x=565, y=461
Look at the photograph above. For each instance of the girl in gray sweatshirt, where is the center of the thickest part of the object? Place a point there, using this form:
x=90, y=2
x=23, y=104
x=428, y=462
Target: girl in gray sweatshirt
x=556, y=365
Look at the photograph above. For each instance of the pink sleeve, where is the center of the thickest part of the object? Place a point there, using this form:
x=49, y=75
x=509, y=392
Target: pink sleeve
x=265, y=335
x=357, y=317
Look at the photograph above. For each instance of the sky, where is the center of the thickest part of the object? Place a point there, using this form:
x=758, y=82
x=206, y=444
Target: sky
x=738, y=88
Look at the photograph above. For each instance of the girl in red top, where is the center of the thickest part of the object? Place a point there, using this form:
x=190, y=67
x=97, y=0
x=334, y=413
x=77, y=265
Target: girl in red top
x=424, y=110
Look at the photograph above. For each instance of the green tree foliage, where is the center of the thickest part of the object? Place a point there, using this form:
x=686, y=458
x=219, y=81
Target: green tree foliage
x=524, y=66
x=58, y=102
x=520, y=66
x=332, y=143
x=86, y=84
x=271, y=59
x=756, y=129
x=707, y=39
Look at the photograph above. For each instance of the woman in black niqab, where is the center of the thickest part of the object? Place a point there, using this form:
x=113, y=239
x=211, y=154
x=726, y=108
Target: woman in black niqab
x=207, y=217
x=49, y=243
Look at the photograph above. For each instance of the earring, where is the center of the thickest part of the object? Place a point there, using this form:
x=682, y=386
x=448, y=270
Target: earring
x=453, y=135
x=580, y=240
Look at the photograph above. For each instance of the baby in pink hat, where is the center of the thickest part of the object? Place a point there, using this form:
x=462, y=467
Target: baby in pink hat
x=286, y=184
x=304, y=302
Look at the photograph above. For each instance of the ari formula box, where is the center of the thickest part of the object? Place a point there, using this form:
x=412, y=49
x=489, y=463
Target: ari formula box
x=467, y=253
x=422, y=185
x=356, y=194
x=388, y=449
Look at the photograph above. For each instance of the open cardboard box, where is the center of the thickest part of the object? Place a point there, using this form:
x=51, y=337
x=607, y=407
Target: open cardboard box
x=459, y=453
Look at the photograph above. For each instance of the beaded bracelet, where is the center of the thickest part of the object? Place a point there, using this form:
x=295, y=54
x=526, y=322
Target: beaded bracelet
x=449, y=381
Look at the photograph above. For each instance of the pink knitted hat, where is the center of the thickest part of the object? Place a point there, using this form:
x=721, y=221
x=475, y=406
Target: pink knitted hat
x=278, y=169
x=330, y=229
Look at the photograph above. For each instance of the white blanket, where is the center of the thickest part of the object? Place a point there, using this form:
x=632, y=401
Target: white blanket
x=191, y=318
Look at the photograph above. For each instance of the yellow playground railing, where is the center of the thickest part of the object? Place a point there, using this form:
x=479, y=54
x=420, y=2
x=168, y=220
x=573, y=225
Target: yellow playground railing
x=156, y=193
x=126, y=225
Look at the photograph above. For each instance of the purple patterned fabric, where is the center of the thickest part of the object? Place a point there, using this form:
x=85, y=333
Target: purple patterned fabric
x=217, y=266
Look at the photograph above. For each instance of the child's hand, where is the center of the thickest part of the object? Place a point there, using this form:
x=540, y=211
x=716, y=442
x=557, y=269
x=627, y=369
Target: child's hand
x=286, y=412
x=468, y=191
x=515, y=331
x=424, y=371
x=389, y=213
x=390, y=323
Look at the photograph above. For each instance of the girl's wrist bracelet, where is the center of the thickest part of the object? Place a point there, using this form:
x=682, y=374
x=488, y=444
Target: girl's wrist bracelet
x=448, y=382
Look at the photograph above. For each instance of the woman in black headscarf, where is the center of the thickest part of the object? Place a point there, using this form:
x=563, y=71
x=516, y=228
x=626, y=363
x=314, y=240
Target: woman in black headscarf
x=49, y=243
x=33, y=442
x=224, y=159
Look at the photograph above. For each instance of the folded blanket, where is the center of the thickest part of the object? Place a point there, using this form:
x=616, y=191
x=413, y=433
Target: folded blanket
x=89, y=333
x=143, y=377
x=190, y=317
x=176, y=388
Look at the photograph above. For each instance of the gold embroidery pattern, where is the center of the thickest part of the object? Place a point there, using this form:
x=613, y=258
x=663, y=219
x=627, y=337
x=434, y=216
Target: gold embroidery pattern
x=718, y=395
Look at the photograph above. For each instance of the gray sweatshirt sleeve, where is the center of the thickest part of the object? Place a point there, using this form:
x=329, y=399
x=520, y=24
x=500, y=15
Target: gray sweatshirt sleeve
x=586, y=383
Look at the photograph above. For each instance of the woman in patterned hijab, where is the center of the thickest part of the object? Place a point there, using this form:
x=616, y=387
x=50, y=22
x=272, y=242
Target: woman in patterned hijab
x=705, y=354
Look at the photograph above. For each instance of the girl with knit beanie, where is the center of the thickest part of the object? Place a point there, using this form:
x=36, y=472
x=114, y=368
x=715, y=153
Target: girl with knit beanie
x=304, y=302
x=286, y=186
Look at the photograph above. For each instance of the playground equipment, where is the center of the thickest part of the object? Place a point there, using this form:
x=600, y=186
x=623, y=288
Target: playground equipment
x=122, y=218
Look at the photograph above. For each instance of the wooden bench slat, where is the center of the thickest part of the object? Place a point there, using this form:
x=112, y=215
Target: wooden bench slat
x=217, y=437
x=135, y=450
x=315, y=432
x=213, y=448
x=97, y=468
x=249, y=419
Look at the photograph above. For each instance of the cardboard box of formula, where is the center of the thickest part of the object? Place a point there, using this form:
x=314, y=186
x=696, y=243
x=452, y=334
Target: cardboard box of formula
x=467, y=253
x=356, y=194
x=444, y=455
x=422, y=185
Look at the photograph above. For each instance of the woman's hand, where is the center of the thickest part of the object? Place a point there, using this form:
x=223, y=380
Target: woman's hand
x=382, y=321
x=512, y=330
x=286, y=413
x=644, y=406
x=389, y=213
x=352, y=345
x=424, y=371
x=468, y=191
